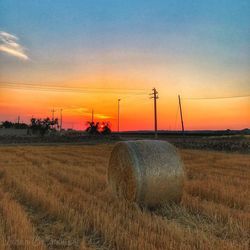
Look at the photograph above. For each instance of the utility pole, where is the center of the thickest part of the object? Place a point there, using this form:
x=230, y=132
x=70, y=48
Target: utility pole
x=92, y=119
x=60, y=119
x=118, y=125
x=53, y=112
x=18, y=119
x=154, y=95
x=182, y=123
x=53, y=117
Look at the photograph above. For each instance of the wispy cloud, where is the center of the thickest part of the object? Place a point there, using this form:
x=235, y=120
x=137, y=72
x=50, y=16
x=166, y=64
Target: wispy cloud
x=103, y=116
x=10, y=44
x=74, y=110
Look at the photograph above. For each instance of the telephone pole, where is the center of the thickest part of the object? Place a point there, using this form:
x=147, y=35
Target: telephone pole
x=118, y=120
x=53, y=112
x=92, y=119
x=154, y=95
x=53, y=117
x=182, y=123
x=61, y=119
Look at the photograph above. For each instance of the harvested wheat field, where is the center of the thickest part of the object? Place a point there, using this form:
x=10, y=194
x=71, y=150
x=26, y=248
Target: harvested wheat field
x=56, y=197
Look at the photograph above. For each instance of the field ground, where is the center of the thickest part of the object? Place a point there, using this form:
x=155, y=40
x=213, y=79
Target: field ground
x=203, y=140
x=56, y=197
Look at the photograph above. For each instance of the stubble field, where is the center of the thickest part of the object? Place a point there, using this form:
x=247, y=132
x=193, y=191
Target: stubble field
x=56, y=197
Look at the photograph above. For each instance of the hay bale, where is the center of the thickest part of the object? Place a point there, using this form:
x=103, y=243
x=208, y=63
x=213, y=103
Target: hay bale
x=148, y=172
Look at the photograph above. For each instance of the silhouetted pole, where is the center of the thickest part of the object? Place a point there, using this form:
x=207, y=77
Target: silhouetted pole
x=92, y=119
x=53, y=112
x=60, y=119
x=155, y=97
x=118, y=116
x=182, y=123
x=18, y=119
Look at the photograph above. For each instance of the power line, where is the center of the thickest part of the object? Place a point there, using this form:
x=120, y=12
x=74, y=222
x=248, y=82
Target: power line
x=46, y=84
x=74, y=90
x=214, y=98
x=56, y=88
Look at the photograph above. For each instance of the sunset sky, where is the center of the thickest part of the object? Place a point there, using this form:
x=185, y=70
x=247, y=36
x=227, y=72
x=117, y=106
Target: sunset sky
x=103, y=50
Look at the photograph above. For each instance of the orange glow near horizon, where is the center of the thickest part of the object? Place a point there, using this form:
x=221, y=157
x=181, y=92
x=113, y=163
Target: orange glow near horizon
x=136, y=112
x=120, y=49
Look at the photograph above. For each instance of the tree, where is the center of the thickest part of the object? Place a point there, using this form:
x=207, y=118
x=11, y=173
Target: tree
x=21, y=126
x=42, y=126
x=93, y=128
x=7, y=124
x=106, y=130
x=97, y=129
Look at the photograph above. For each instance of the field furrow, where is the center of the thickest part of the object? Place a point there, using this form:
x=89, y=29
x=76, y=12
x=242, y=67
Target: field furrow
x=18, y=230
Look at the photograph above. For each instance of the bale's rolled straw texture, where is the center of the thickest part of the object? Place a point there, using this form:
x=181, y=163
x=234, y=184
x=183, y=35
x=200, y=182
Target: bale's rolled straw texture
x=148, y=172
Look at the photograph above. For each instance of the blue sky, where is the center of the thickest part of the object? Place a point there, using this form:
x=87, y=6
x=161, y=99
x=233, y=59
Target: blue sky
x=210, y=36
x=148, y=26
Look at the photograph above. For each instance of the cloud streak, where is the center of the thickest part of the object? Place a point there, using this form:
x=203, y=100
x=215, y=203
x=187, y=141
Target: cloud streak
x=10, y=44
x=84, y=111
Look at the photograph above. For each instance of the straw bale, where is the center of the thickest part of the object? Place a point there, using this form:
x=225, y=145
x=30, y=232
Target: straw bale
x=149, y=172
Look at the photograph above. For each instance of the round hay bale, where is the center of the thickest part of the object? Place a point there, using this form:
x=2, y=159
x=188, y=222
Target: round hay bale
x=148, y=172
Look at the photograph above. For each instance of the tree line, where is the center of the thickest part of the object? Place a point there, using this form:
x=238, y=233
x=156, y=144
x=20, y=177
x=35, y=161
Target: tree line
x=43, y=126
